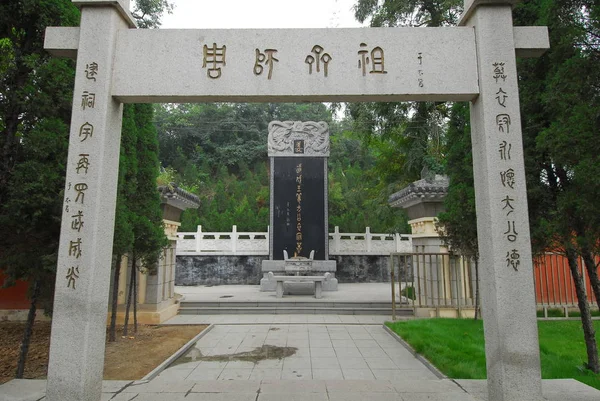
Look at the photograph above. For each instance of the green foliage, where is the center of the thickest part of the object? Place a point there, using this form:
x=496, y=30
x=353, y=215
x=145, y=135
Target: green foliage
x=32, y=86
x=457, y=348
x=409, y=292
x=407, y=137
x=409, y=12
x=138, y=221
x=126, y=189
x=35, y=107
x=148, y=227
x=30, y=216
x=234, y=187
x=355, y=197
x=561, y=118
x=457, y=224
x=199, y=138
x=148, y=13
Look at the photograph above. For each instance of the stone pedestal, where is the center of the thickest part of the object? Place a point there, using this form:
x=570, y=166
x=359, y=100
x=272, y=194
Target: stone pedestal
x=156, y=284
x=423, y=200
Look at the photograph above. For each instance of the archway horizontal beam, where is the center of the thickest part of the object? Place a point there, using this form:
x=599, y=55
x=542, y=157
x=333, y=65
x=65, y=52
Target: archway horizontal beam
x=289, y=65
x=378, y=64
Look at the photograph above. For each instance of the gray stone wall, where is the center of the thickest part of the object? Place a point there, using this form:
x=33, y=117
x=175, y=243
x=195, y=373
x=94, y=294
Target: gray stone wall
x=362, y=268
x=218, y=270
x=221, y=270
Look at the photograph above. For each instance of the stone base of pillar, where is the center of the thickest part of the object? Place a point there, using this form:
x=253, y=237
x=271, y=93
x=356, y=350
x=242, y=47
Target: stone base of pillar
x=446, y=312
x=148, y=313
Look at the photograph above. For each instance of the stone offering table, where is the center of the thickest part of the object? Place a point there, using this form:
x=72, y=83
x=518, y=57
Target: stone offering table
x=317, y=280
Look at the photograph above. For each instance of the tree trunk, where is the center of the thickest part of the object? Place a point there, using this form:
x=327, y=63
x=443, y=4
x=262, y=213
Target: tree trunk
x=589, y=333
x=592, y=272
x=129, y=295
x=28, y=331
x=135, y=293
x=476, y=289
x=112, y=330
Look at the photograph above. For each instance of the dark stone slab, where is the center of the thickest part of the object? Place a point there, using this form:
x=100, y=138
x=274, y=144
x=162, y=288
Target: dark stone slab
x=310, y=184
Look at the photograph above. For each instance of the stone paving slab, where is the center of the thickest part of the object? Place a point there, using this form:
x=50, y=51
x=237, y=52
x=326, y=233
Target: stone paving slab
x=553, y=390
x=289, y=390
x=366, y=352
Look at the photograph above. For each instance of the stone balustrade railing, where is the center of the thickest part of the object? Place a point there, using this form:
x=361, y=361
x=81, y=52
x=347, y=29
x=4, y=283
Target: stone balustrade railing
x=257, y=243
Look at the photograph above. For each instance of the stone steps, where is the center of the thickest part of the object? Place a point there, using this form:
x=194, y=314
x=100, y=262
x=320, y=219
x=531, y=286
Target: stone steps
x=291, y=307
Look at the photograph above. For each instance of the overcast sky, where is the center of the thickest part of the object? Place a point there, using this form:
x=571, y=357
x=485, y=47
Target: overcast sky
x=261, y=14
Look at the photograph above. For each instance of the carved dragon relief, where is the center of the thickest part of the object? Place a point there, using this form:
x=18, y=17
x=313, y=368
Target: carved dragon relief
x=283, y=133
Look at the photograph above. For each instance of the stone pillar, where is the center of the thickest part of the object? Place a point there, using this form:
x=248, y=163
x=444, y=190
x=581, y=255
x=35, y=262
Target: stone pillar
x=508, y=296
x=84, y=259
x=423, y=200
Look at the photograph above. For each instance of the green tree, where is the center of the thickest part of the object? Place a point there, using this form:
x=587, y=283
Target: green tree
x=561, y=118
x=148, y=230
x=35, y=103
x=124, y=235
x=148, y=13
x=139, y=230
x=408, y=136
x=457, y=224
x=409, y=12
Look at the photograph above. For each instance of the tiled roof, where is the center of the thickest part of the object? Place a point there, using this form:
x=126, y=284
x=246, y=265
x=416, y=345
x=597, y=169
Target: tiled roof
x=422, y=190
x=179, y=196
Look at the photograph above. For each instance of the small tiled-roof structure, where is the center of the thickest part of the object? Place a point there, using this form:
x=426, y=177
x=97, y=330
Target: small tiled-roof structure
x=174, y=193
x=423, y=190
x=175, y=200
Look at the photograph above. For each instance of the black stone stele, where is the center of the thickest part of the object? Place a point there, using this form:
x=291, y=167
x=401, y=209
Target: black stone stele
x=312, y=207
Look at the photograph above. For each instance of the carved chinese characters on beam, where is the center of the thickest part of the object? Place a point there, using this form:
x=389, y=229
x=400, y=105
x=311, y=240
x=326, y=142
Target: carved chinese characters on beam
x=267, y=58
x=376, y=58
x=420, y=71
x=214, y=58
x=371, y=61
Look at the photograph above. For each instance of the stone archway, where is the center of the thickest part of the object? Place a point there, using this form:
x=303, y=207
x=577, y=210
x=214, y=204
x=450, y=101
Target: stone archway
x=117, y=64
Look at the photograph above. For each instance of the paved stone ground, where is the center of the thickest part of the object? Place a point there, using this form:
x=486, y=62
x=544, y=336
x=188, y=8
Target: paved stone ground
x=162, y=389
x=339, y=357
x=325, y=352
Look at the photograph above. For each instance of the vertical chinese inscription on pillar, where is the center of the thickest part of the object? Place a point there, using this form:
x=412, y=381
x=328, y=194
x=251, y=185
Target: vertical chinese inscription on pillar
x=88, y=100
x=91, y=70
x=508, y=204
x=77, y=191
x=299, y=185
